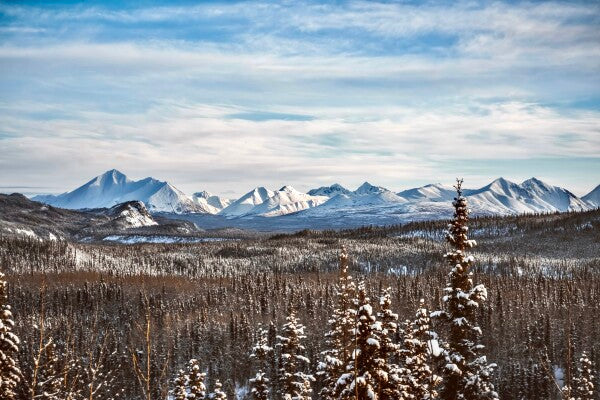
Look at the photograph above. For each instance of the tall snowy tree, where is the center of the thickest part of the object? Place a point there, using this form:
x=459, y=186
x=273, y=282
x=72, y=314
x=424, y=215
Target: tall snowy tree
x=340, y=338
x=295, y=382
x=10, y=374
x=197, y=388
x=583, y=381
x=261, y=353
x=218, y=394
x=466, y=375
x=419, y=347
x=180, y=389
x=359, y=381
x=388, y=382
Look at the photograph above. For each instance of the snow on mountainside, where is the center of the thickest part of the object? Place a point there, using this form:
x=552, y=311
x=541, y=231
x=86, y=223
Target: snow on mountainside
x=505, y=197
x=500, y=197
x=245, y=203
x=285, y=201
x=367, y=188
x=554, y=196
x=366, y=200
x=113, y=187
x=329, y=191
x=132, y=214
x=212, y=203
x=431, y=192
x=593, y=197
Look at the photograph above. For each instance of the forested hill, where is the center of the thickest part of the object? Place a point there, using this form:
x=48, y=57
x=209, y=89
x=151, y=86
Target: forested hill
x=206, y=301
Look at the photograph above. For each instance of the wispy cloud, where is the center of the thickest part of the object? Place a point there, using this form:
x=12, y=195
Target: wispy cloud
x=229, y=95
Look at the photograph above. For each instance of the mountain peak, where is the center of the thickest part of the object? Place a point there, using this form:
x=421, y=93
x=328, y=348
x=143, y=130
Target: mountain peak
x=115, y=173
x=367, y=188
x=501, y=180
x=203, y=194
x=535, y=182
x=329, y=191
x=287, y=188
x=593, y=197
x=111, y=176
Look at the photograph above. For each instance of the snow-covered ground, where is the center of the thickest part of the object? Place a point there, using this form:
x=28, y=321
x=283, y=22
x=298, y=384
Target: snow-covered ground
x=133, y=239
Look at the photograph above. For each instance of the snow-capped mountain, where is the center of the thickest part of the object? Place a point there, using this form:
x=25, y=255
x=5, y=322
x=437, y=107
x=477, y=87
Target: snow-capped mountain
x=500, y=197
x=245, y=203
x=285, y=201
x=373, y=204
x=431, y=192
x=210, y=203
x=113, y=187
x=593, y=197
x=329, y=191
x=367, y=188
x=366, y=197
x=506, y=197
x=213, y=200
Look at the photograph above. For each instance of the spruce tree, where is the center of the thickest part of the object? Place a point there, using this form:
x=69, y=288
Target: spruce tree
x=294, y=384
x=259, y=387
x=218, y=394
x=419, y=347
x=388, y=382
x=180, y=390
x=466, y=375
x=583, y=381
x=197, y=388
x=359, y=381
x=261, y=352
x=10, y=374
x=340, y=338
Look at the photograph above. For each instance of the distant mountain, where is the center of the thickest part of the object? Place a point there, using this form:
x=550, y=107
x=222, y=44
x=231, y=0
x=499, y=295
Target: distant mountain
x=433, y=201
x=329, y=191
x=367, y=188
x=431, y=192
x=285, y=201
x=113, y=187
x=211, y=203
x=593, y=197
x=244, y=204
x=506, y=197
x=366, y=200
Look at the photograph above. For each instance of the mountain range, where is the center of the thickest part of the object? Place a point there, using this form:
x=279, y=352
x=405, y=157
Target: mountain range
x=500, y=197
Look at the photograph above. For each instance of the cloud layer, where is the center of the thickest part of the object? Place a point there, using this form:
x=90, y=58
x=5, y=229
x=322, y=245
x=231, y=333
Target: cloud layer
x=229, y=96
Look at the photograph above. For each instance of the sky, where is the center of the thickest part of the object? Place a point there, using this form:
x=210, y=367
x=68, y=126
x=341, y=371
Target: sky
x=226, y=96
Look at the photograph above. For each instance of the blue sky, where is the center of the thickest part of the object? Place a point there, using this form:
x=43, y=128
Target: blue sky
x=225, y=96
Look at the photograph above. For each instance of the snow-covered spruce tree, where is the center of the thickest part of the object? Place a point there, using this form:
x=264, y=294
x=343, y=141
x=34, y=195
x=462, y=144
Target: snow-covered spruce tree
x=466, y=375
x=419, y=346
x=294, y=384
x=218, y=394
x=583, y=381
x=388, y=382
x=359, y=381
x=197, y=388
x=180, y=389
x=340, y=338
x=10, y=374
x=261, y=352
